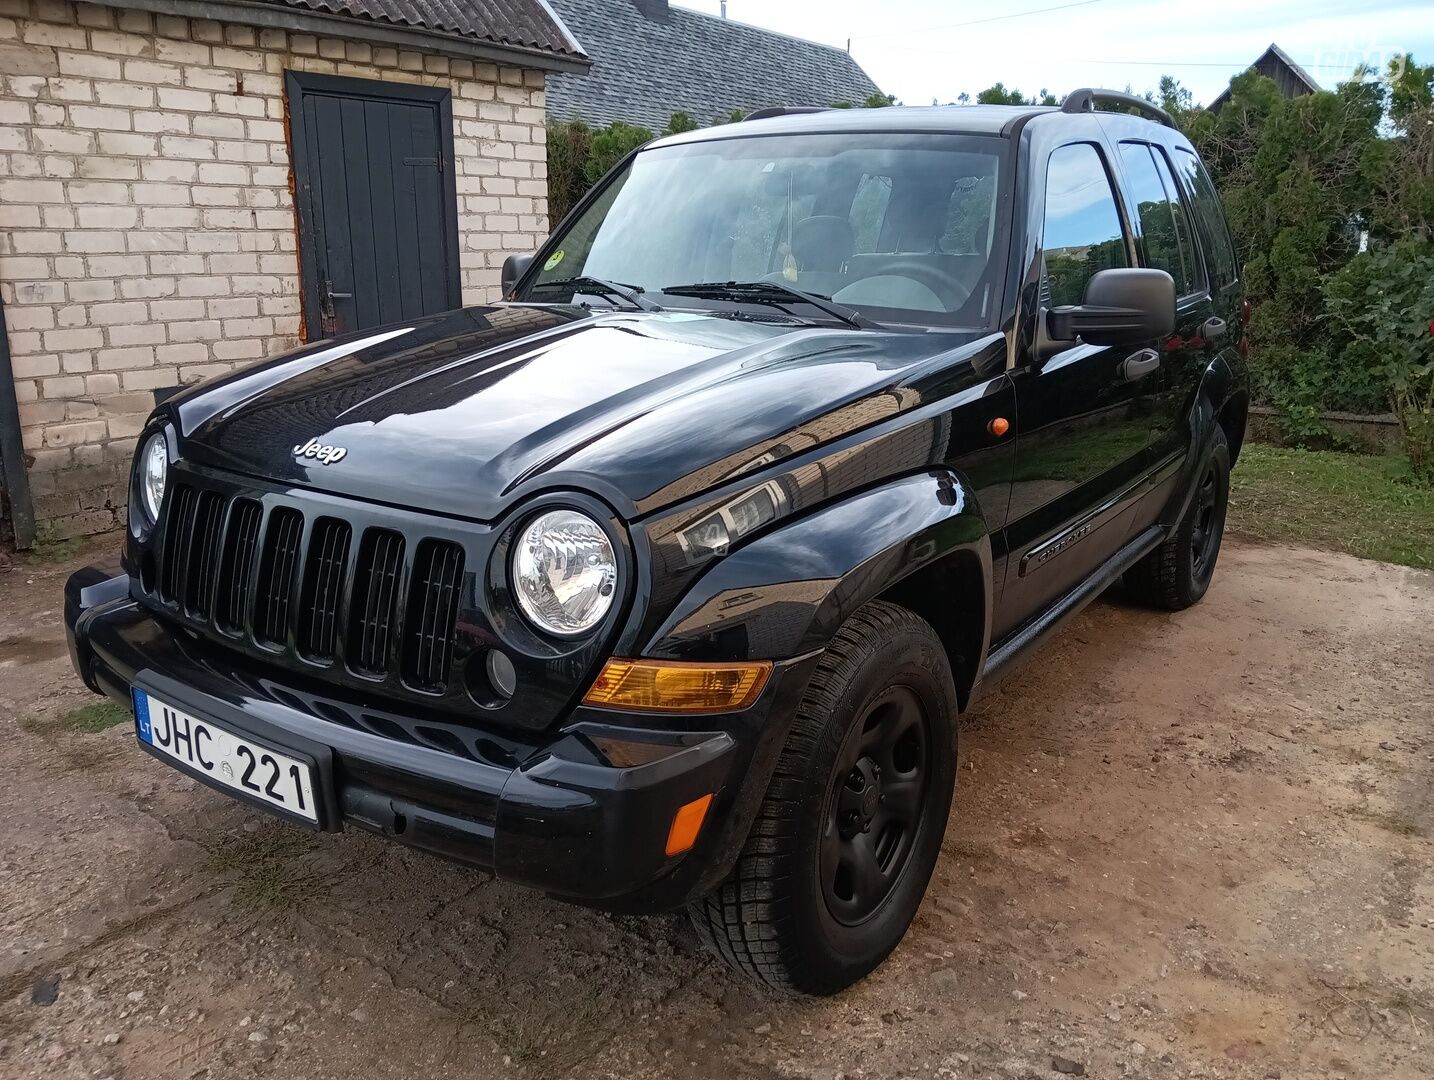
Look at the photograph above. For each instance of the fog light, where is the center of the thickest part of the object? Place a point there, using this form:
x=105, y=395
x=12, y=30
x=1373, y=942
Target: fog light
x=672, y=686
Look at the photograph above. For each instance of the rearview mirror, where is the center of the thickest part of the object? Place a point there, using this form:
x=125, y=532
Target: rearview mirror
x=1121, y=307
x=514, y=267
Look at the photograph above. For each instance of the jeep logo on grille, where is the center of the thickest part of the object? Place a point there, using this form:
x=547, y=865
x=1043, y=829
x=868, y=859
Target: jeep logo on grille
x=317, y=450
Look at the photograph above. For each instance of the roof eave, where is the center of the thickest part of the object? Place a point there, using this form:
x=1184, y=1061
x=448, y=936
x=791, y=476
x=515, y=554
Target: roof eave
x=268, y=16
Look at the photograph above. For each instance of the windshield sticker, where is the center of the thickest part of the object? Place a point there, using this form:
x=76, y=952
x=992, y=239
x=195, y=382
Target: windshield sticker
x=553, y=260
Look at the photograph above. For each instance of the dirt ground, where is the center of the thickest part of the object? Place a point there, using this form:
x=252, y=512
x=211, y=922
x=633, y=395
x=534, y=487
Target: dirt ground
x=1183, y=846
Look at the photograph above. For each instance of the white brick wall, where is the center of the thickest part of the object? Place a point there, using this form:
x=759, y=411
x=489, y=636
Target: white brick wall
x=147, y=232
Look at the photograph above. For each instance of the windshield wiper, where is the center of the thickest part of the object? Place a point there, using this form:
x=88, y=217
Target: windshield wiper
x=602, y=287
x=773, y=292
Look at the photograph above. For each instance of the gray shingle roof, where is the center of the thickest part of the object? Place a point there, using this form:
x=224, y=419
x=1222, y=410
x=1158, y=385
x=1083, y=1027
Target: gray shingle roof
x=648, y=66
x=526, y=24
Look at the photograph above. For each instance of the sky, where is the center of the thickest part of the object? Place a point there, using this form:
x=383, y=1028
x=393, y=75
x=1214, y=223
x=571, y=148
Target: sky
x=922, y=50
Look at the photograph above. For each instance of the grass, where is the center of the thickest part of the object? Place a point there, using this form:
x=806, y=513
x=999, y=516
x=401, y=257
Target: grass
x=266, y=866
x=88, y=719
x=50, y=548
x=1394, y=822
x=1361, y=505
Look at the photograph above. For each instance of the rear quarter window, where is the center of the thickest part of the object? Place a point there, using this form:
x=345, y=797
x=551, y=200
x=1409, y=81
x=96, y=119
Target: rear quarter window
x=1209, y=220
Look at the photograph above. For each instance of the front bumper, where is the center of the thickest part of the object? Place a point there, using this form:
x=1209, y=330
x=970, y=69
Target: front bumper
x=581, y=812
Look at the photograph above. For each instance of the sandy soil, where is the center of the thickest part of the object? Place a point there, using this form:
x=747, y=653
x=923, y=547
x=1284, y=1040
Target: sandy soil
x=1183, y=846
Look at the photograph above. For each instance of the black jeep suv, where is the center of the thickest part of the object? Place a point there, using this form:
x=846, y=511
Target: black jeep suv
x=661, y=584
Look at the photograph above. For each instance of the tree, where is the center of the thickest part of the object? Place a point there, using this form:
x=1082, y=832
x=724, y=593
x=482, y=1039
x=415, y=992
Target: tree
x=999, y=95
x=1176, y=100
x=1405, y=202
x=1411, y=89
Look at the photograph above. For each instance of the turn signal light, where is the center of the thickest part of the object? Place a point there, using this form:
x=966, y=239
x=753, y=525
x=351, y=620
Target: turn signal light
x=686, y=824
x=673, y=686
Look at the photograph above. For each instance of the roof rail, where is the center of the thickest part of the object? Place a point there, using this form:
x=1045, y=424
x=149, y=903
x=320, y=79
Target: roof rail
x=783, y=110
x=1085, y=100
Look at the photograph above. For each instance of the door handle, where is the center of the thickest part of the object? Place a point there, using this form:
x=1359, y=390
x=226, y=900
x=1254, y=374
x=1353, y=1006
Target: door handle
x=328, y=319
x=1138, y=365
x=1212, y=328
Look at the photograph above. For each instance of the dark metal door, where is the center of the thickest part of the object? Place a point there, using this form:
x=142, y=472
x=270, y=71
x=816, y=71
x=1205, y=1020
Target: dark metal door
x=376, y=200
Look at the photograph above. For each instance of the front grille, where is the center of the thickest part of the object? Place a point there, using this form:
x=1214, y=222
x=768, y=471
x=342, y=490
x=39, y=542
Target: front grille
x=375, y=593
x=240, y=544
x=204, y=552
x=276, y=576
x=433, y=605
x=178, y=537
x=315, y=588
x=323, y=585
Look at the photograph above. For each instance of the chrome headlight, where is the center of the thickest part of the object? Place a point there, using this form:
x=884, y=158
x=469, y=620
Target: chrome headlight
x=153, y=472
x=564, y=572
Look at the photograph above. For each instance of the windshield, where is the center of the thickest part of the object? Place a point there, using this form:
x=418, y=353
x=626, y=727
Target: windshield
x=901, y=227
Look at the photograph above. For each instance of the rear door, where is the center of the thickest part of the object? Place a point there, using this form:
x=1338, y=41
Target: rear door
x=1083, y=421
x=1166, y=240
x=376, y=201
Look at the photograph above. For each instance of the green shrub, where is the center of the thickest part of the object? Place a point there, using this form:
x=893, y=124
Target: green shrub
x=569, y=146
x=1381, y=305
x=611, y=145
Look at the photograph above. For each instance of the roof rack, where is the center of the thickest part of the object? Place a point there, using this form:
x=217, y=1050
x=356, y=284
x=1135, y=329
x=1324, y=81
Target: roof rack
x=1085, y=100
x=783, y=110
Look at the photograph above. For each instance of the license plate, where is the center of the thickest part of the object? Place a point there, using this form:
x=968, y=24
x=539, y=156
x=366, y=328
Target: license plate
x=206, y=749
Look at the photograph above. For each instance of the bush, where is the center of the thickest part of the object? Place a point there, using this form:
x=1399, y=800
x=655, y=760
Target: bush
x=569, y=147
x=611, y=145
x=1381, y=304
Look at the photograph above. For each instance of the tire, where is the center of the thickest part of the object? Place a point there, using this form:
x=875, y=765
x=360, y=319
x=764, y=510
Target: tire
x=1177, y=573
x=844, y=844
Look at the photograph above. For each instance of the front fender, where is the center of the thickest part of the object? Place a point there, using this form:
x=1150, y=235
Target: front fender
x=785, y=594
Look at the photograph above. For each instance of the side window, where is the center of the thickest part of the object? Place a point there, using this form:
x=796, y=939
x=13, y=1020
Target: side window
x=868, y=211
x=1210, y=219
x=1082, y=234
x=1164, y=234
x=1184, y=235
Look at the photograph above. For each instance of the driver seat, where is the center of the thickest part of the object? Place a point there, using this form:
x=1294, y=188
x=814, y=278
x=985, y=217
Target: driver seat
x=822, y=244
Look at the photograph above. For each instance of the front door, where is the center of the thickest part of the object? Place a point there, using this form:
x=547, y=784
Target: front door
x=1083, y=413
x=376, y=201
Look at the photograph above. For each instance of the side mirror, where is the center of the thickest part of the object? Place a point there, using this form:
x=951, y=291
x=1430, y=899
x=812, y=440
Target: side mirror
x=1121, y=307
x=514, y=267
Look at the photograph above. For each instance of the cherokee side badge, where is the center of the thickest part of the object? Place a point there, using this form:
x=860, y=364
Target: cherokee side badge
x=318, y=451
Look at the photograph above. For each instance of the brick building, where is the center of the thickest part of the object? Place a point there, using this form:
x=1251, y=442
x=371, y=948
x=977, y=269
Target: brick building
x=185, y=187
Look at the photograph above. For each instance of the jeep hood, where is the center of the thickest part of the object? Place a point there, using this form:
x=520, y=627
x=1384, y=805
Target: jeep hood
x=463, y=413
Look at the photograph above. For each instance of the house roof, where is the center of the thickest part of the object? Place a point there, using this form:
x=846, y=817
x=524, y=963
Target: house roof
x=1276, y=64
x=524, y=33
x=528, y=23
x=651, y=60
